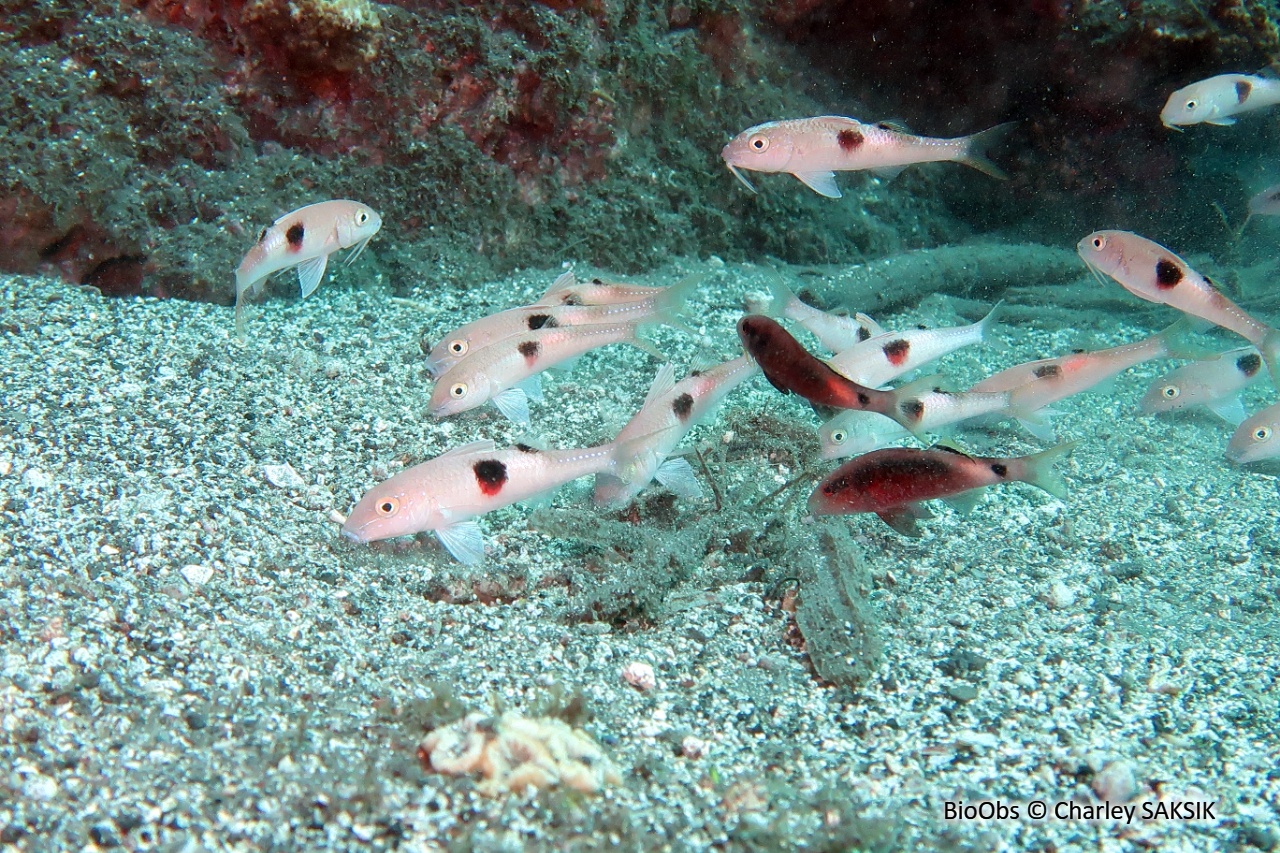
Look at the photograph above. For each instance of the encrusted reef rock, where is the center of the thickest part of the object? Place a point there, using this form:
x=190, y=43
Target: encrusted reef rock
x=512, y=753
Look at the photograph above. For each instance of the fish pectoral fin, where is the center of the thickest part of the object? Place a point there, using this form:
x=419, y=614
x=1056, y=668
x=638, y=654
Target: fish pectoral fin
x=464, y=541
x=1230, y=409
x=532, y=387
x=1038, y=423
x=823, y=183
x=677, y=475
x=514, y=403
x=311, y=273
x=903, y=519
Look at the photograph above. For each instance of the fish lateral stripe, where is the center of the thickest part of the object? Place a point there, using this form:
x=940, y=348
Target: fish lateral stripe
x=295, y=235
x=1168, y=274
x=491, y=475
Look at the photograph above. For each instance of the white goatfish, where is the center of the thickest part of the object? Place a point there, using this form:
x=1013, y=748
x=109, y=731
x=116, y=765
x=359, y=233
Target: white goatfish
x=659, y=305
x=1215, y=383
x=1151, y=272
x=568, y=290
x=1219, y=99
x=494, y=372
x=889, y=355
x=836, y=332
x=304, y=239
x=670, y=410
x=814, y=149
x=1258, y=438
x=444, y=494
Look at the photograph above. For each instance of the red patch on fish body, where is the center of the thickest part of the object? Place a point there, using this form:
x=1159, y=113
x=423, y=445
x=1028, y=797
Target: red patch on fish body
x=530, y=350
x=491, y=476
x=849, y=140
x=889, y=479
x=897, y=351
x=294, y=236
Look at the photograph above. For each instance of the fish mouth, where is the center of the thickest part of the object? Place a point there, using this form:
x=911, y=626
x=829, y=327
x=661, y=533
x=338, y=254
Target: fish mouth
x=737, y=174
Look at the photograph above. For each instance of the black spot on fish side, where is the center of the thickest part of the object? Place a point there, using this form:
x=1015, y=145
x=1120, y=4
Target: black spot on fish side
x=526, y=448
x=1249, y=364
x=914, y=409
x=1243, y=88
x=896, y=351
x=538, y=321
x=1168, y=273
x=294, y=235
x=1048, y=371
x=491, y=476
x=849, y=140
x=1000, y=469
x=864, y=399
x=682, y=406
x=529, y=349
x=863, y=333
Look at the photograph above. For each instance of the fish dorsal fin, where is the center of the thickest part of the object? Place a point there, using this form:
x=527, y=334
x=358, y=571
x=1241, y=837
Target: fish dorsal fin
x=873, y=328
x=950, y=448
x=311, y=273
x=464, y=541
x=702, y=361
x=662, y=383
x=564, y=281
x=484, y=445
x=894, y=125
x=823, y=183
x=920, y=387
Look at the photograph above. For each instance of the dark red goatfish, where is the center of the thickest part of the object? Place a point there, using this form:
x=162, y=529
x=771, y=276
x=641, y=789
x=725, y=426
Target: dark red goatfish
x=792, y=369
x=892, y=482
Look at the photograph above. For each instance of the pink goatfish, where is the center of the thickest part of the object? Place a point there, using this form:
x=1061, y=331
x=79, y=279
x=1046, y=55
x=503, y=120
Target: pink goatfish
x=1215, y=383
x=1218, y=99
x=1255, y=439
x=670, y=410
x=304, y=239
x=814, y=149
x=1151, y=272
x=444, y=494
x=836, y=332
x=658, y=304
x=568, y=290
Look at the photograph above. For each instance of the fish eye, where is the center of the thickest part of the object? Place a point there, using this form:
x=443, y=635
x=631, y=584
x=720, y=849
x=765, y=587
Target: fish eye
x=458, y=391
x=1191, y=105
x=1099, y=243
x=1171, y=392
x=758, y=142
x=1262, y=433
x=362, y=217
x=387, y=507
x=458, y=347
x=838, y=436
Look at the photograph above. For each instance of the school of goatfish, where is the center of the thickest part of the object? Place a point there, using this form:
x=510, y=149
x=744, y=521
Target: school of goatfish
x=498, y=359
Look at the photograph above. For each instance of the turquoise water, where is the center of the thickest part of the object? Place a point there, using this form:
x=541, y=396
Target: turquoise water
x=193, y=655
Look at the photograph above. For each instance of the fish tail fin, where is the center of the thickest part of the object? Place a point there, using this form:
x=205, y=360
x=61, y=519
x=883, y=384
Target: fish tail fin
x=781, y=294
x=672, y=300
x=1038, y=469
x=987, y=323
x=1269, y=349
x=974, y=153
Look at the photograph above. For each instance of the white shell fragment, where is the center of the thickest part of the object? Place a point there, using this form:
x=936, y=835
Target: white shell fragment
x=639, y=675
x=197, y=575
x=283, y=476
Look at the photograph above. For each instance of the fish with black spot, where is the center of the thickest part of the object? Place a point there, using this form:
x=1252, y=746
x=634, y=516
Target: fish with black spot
x=893, y=483
x=1215, y=383
x=649, y=305
x=1219, y=99
x=444, y=495
x=814, y=149
x=304, y=238
x=670, y=410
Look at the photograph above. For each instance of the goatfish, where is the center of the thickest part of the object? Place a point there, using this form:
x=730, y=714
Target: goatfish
x=1151, y=272
x=1255, y=439
x=568, y=290
x=444, y=494
x=670, y=410
x=893, y=482
x=506, y=372
x=304, y=239
x=792, y=369
x=659, y=305
x=1219, y=99
x=836, y=332
x=888, y=355
x=1215, y=383
x=814, y=149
